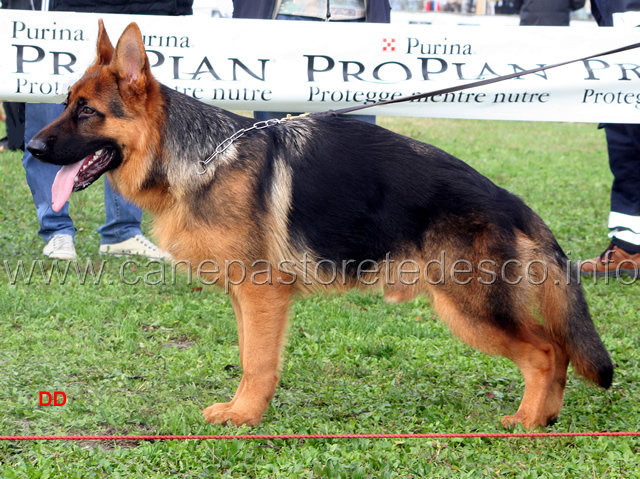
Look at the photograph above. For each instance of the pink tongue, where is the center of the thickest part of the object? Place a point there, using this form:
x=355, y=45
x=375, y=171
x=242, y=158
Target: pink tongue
x=63, y=185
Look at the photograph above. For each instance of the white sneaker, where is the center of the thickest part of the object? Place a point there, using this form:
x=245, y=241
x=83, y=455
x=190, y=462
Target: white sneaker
x=136, y=246
x=60, y=247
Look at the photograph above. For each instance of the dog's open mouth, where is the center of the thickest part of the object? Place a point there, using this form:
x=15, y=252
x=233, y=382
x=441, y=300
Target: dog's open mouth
x=78, y=176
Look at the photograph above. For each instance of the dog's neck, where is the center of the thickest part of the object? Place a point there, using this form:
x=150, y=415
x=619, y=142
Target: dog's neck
x=191, y=132
x=193, y=129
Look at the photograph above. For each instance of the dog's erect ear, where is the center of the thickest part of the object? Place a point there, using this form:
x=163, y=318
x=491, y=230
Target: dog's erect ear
x=130, y=62
x=105, y=48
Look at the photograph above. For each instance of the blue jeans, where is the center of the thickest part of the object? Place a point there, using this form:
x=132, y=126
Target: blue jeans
x=122, y=218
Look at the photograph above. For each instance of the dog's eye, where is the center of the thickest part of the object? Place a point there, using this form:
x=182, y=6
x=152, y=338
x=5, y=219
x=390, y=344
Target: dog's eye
x=87, y=110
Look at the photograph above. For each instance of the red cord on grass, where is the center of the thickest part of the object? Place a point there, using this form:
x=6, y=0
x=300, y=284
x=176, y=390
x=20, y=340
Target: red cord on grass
x=317, y=436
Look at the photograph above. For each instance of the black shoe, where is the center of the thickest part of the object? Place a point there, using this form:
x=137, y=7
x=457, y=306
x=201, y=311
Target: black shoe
x=4, y=145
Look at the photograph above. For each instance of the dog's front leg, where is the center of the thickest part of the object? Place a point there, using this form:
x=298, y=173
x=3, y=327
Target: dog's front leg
x=261, y=312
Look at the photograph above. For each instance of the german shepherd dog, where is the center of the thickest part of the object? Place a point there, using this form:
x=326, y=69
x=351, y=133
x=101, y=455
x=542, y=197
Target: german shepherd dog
x=326, y=203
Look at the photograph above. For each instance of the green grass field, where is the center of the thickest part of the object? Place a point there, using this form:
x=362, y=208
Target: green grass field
x=146, y=358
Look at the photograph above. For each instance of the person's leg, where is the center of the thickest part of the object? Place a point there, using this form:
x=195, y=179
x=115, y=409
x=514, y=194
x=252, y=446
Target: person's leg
x=40, y=175
x=366, y=118
x=270, y=115
x=121, y=234
x=15, y=124
x=622, y=256
x=623, y=143
x=122, y=218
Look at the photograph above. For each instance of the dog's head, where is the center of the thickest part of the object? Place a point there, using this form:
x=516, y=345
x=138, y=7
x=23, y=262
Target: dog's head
x=104, y=117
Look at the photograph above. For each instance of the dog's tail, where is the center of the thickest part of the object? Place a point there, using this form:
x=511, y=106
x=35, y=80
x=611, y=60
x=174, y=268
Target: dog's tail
x=567, y=319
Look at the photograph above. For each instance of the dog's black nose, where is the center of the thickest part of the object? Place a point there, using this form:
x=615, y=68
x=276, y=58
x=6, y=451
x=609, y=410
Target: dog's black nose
x=37, y=148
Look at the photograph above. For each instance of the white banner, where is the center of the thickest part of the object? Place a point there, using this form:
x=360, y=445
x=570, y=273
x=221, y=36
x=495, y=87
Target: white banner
x=316, y=66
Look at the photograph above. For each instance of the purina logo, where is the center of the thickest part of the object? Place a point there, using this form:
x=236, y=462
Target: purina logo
x=388, y=44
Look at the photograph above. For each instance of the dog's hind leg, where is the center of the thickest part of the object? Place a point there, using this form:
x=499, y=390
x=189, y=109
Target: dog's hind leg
x=261, y=312
x=543, y=368
x=555, y=397
x=535, y=356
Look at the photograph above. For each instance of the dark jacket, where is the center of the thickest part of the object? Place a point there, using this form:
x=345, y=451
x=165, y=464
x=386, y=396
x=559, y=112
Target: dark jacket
x=548, y=12
x=21, y=4
x=136, y=7
x=133, y=7
x=378, y=11
x=603, y=10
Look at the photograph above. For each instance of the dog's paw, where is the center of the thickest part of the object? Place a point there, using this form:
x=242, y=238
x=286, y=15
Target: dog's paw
x=215, y=411
x=223, y=413
x=509, y=422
